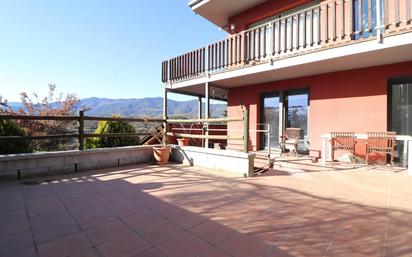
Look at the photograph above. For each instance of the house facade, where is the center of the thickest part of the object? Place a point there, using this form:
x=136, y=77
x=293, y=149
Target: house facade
x=322, y=66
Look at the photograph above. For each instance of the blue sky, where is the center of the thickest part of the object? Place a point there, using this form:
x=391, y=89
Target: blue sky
x=102, y=48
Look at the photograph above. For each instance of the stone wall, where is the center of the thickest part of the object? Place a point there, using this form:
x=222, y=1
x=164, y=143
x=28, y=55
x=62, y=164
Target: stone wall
x=22, y=166
x=225, y=160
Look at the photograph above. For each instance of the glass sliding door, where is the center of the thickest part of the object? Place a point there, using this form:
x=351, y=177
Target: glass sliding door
x=270, y=115
x=296, y=114
x=400, y=94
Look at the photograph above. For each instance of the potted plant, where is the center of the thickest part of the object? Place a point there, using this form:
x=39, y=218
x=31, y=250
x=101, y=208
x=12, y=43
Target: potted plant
x=162, y=152
x=183, y=141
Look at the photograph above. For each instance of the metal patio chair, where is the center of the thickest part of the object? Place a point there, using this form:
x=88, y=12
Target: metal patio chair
x=289, y=140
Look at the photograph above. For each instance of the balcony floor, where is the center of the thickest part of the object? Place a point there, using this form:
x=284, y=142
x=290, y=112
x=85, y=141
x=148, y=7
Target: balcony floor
x=299, y=209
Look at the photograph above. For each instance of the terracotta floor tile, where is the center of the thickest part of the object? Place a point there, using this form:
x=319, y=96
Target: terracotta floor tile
x=142, y=219
x=85, y=209
x=79, y=202
x=125, y=209
x=39, y=191
x=295, y=210
x=45, y=208
x=30, y=252
x=240, y=245
x=399, y=234
x=213, y=252
x=65, y=246
x=151, y=252
x=212, y=231
x=277, y=252
x=14, y=227
x=343, y=251
x=12, y=206
x=13, y=243
x=93, y=220
x=168, y=210
x=91, y=252
x=13, y=215
x=50, y=200
x=49, y=218
x=151, y=203
x=184, y=245
x=187, y=219
x=304, y=246
x=55, y=231
x=107, y=231
x=125, y=246
x=160, y=231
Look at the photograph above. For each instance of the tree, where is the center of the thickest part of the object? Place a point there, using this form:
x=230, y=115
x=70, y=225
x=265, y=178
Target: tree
x=11, y=128
x=50, y=105
x=106, y=127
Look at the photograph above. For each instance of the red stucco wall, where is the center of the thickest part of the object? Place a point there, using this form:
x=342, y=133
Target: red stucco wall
x=353, y=100
x=262, y=11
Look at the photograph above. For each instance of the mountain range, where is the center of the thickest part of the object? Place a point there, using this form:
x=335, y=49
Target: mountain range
x=143, y=107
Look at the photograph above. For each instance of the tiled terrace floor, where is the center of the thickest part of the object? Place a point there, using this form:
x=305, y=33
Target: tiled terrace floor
x=180, y=211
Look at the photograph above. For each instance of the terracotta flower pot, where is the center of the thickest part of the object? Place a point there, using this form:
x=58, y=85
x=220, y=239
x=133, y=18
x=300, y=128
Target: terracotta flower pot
x=183, y=141
x=161, y=154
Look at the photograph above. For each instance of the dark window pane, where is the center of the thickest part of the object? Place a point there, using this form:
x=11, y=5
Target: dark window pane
x=271, y=116
x=297, y=114
x=400, y=119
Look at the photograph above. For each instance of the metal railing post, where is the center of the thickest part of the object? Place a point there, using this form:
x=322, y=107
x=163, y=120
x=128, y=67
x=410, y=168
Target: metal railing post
x=246, y=131
x=165, y=117
x=164, y=137
x=378, y=21
x=268, y=135
x=81, y=130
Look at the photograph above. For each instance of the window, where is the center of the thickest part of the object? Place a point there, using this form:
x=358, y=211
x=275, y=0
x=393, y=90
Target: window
x=400, y=99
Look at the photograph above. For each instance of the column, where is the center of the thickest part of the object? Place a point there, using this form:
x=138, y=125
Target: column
x=281, y=114
x=207, y=112
x=199, y=107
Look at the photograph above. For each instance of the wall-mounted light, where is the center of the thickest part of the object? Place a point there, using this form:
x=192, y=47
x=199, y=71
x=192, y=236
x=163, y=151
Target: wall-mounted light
x=232, y=27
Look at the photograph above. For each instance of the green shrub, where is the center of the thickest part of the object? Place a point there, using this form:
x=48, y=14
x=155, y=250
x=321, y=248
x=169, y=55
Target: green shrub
x=11, y=128
x=106, y=127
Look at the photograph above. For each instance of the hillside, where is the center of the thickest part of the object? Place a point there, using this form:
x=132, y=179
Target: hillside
x=150, y=107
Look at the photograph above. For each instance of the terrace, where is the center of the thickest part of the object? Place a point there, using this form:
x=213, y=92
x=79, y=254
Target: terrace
x=298, y=209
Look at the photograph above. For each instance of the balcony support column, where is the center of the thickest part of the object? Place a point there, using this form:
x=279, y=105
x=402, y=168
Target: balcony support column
x=199, y=107
x=207, y=112
x=282, y=106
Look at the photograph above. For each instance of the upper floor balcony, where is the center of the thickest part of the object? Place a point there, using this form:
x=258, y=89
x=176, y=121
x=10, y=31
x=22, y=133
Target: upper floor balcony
x=336, y=25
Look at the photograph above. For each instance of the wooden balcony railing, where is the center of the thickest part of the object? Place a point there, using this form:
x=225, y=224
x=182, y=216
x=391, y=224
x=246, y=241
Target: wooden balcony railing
x=326, y=25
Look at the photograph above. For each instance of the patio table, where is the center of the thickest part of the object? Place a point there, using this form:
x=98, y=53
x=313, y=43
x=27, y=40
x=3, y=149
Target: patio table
x=405, y=138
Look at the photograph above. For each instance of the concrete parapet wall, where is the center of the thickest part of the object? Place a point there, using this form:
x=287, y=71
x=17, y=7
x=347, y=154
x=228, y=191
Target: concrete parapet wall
x=226, y=160
x=49, y=163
